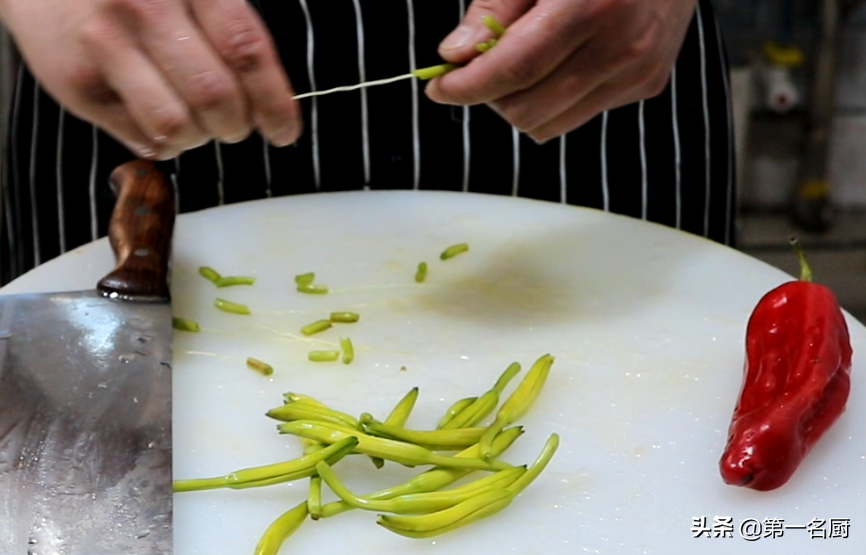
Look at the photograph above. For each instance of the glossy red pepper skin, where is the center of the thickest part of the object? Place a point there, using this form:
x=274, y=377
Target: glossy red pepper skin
x=796, y=382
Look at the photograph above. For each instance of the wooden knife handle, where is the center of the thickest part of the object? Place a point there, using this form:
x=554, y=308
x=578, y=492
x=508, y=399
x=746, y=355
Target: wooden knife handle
x=140, y=233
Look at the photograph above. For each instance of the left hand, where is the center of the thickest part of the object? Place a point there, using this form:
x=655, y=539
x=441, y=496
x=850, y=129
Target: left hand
x=562, y=62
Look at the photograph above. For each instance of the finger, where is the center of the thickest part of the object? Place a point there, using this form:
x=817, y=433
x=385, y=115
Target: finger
x=609, y=96
x=178, y=48
x=531, y=49
x=459, y=46
x=240, y=38
x=116, y=120
x=153, y=112
x=96, y=103
x=596, y=102
x=566, y=86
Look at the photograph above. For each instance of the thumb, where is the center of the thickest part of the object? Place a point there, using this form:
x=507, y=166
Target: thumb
x=459, y=46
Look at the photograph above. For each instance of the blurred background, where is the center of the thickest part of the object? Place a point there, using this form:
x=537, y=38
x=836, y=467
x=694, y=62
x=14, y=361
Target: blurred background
x=798, y=78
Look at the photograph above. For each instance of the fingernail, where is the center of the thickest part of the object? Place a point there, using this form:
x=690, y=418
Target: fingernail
x=284, y=137
x=145, y=152
x=459, y=37
x=236, y=139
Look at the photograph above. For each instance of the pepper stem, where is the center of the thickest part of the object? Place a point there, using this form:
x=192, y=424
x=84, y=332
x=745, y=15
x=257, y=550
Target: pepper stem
x=805, y=270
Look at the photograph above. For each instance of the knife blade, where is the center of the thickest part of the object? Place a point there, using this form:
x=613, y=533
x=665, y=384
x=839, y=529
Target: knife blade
x=85, y=396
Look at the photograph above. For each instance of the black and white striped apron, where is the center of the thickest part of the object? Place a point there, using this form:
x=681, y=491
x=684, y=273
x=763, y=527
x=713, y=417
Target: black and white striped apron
x=668, y=159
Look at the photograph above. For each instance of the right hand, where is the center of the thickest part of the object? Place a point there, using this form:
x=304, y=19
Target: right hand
x=161, y=76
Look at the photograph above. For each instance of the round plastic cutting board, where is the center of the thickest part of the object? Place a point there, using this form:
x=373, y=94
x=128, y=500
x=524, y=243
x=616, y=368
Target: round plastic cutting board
x=646, y=324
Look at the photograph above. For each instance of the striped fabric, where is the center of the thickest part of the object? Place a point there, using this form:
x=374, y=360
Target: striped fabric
x=668, y=159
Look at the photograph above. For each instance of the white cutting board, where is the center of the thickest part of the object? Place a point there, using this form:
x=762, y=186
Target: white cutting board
x=646, y=324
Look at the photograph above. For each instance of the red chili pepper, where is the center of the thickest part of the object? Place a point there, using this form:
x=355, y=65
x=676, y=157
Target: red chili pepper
x=795, y=385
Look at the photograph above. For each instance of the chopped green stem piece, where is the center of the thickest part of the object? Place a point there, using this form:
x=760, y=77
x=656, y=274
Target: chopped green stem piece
x=440, y=439
x=314, y=498
x=312, y=288
x=407, y=454
x=279, y=531
x=421, y=272
x=295, y=469
x=185, y=324
x=292, y=397
x=348, y=350
x=234, y=308
x=230, y=281
x=316, y=327
x=454, y=410
x=309, y=411
x=518, y=402
x=209, y=273
x=453, y=251
x=550, y=447
x=305, y=279
x=400, y=414
x=420, y=503
x=509, y=373
x=344, y=317
x=484, y=405
x=495, y=27
x=439, y=522
x=482, y=47
x=323, y=356
x=426, y=73
x=433, y=479
x=259, y=366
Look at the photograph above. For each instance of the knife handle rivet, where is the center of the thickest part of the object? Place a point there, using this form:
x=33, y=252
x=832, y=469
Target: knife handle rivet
x=142, y=210
x=141, y=251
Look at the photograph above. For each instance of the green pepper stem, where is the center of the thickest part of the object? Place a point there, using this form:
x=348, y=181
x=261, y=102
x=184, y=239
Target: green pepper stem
x=805, y=269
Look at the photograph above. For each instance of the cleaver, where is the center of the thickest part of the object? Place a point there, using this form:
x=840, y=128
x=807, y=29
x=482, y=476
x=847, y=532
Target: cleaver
x=85, y=396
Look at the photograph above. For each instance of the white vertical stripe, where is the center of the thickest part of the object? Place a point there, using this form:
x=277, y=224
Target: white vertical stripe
x=515, y=171
x=706, y=107
x=729, y=209
x=58, y=169
x=677, y=153
x=175, y=182
x=221, y=193
x=605, y=194
x=563, y=176
x=643, y=166
x=314, y=108
x=7, y=214
x=416, y=139
x=467, y=148
x=175, y=191
x=34, y=142
x=94, y=159
x=362, y=76
x=266, y=155
x=14, y=230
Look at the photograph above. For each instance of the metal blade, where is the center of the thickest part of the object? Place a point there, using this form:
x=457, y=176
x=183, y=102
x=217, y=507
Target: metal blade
x=85, y=426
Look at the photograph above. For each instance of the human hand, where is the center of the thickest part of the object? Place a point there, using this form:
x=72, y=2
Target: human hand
x=562, y=62
x=161, y=76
